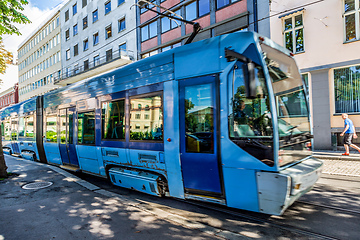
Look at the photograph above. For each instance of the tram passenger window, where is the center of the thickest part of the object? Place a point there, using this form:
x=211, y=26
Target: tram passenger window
x=29, y=127
x=7, y=130
x=151, y=128
x=86, y=128
x=50, y=129
x=21, y=127
x=113, y=120
x=250, y=124
x=14, y=129
x=63, y=127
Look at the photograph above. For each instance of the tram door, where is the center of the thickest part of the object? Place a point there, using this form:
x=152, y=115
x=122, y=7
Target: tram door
x=198, y=138
x=67, y=147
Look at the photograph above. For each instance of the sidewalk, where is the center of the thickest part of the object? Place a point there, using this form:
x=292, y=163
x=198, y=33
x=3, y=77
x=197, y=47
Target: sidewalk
x=337, y=164
x=72, y=208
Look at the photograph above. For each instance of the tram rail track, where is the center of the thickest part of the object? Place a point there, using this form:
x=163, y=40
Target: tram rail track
x=330, y=207
x=271, y=222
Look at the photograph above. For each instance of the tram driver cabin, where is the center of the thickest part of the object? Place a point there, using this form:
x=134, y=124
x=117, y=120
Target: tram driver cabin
x=223, y=120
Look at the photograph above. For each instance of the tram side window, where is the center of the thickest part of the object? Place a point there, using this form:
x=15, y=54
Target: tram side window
x=86, y=128
x=113, y=120
x=29, y=127
x=250, y=124
x=21, y=127
x=51, y=132
x=2, y=129
x=7, y=130
x=146, y=118
x=14, y=129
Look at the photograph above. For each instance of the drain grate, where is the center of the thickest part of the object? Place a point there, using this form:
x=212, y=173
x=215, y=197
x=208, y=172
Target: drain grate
x=37, y=185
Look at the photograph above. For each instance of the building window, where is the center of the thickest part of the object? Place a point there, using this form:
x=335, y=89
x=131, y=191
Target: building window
x=96, y=38
x=109, y=55
x=122, y=25
x=149, y=31
x=294, y=33
x=86, y=64
x=96, y=60
x=138, y=131
x=108, y=32
x=351, y=25
x=223, y=3
x=67, y=54
x=86, y=44
x=76, y=69
x=107, y=7
x=76, y=50
x=74, y=8
x=84, y=3
x=85, y=22
x=95, y=15
x=67, y=37
x=347, y=89
x=168, y=24
x=122, y=50
x=120, y=2
x=197, y=9
x=66, y=15
x=75, y=29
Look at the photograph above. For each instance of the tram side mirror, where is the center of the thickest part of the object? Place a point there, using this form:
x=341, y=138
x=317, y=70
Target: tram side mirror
x=250, y=79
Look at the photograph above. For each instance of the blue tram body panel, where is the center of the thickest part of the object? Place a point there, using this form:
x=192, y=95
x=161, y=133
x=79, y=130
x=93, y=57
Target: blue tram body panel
x=52, y=152
x=88, y=158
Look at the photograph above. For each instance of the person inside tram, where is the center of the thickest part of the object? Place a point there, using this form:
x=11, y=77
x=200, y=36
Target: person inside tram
x=118, y=131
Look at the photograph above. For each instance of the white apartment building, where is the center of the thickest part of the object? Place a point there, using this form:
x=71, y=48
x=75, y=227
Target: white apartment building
x=324, y=36
x=97, y=36
x=39, y=59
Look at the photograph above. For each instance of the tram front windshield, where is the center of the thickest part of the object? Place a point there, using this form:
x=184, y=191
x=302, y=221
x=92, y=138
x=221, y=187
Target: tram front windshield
x=291, y=106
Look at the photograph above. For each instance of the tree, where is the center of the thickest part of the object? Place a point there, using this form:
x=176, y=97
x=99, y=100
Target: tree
x=10, y=14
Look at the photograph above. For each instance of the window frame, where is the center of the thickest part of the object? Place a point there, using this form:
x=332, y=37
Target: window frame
x=293, y=30
x=107, y=8
x=67, y=54
x=98, y=39
x=148, y=31
x=107, y=34
x=75, y=30
x=121, y=20
x=95, y=13
x=74, y=9
x=85, y=41
x=355, y=12
x=85, y=23
x=118, y=97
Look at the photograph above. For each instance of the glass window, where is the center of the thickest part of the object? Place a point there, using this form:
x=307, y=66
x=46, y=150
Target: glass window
x=294, y=33
x=97, y=60
x=146, y=129
x=109, y=55
x=204, y=7
x=50, y=129
x=122, y=50
x=107, y=7
x=86, y=44
x=66, y=15
x=21, y=127
x=199, y=118
x=149, y=31
x=86, y=64
x=68, y=54
x=7, y=129
x=84, y=3
x=85, y=22
x=14, y=129
x=63, y=126
x=86, y=128
x=347, y=89
x=30, y=127
x=190, y=11
x=96, y=38
x=74, y=8
x=75, y=29
x=67, y=37
x=223, y=3
x=108, y=32
x=250, y=124
x=167, y=23
x=122, y=25
x=95, y=15
x=113, y=120
x=120, y=2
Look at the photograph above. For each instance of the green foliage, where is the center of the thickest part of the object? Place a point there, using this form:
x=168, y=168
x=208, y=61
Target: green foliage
x=6, y=57
x=10, y=14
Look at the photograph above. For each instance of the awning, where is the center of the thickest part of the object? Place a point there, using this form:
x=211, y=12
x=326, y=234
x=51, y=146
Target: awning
x=287, y=14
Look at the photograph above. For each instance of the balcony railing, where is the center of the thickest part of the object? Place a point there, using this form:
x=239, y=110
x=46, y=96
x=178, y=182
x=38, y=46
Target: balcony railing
x=71, y=71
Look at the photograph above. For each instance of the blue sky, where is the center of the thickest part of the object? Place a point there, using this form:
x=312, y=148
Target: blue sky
x=45, y=4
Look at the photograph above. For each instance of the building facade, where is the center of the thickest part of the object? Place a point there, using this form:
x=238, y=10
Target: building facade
x=96, y=36
x=157, y=33
x=39, y=59
x=324, y=36
x=9, y=96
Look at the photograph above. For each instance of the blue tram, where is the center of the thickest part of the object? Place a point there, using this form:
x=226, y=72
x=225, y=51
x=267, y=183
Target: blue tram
x=223, y=120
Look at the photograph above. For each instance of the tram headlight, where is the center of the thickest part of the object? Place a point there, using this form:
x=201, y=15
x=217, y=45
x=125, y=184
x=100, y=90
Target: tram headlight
x=297, y=186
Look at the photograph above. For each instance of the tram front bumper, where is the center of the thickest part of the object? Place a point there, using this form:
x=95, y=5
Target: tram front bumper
x=277, y=191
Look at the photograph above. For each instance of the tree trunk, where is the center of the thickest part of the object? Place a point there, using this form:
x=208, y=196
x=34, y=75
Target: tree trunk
x=3, y=167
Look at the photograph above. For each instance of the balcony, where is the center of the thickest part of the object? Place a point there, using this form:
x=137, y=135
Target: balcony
x=110, y=61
